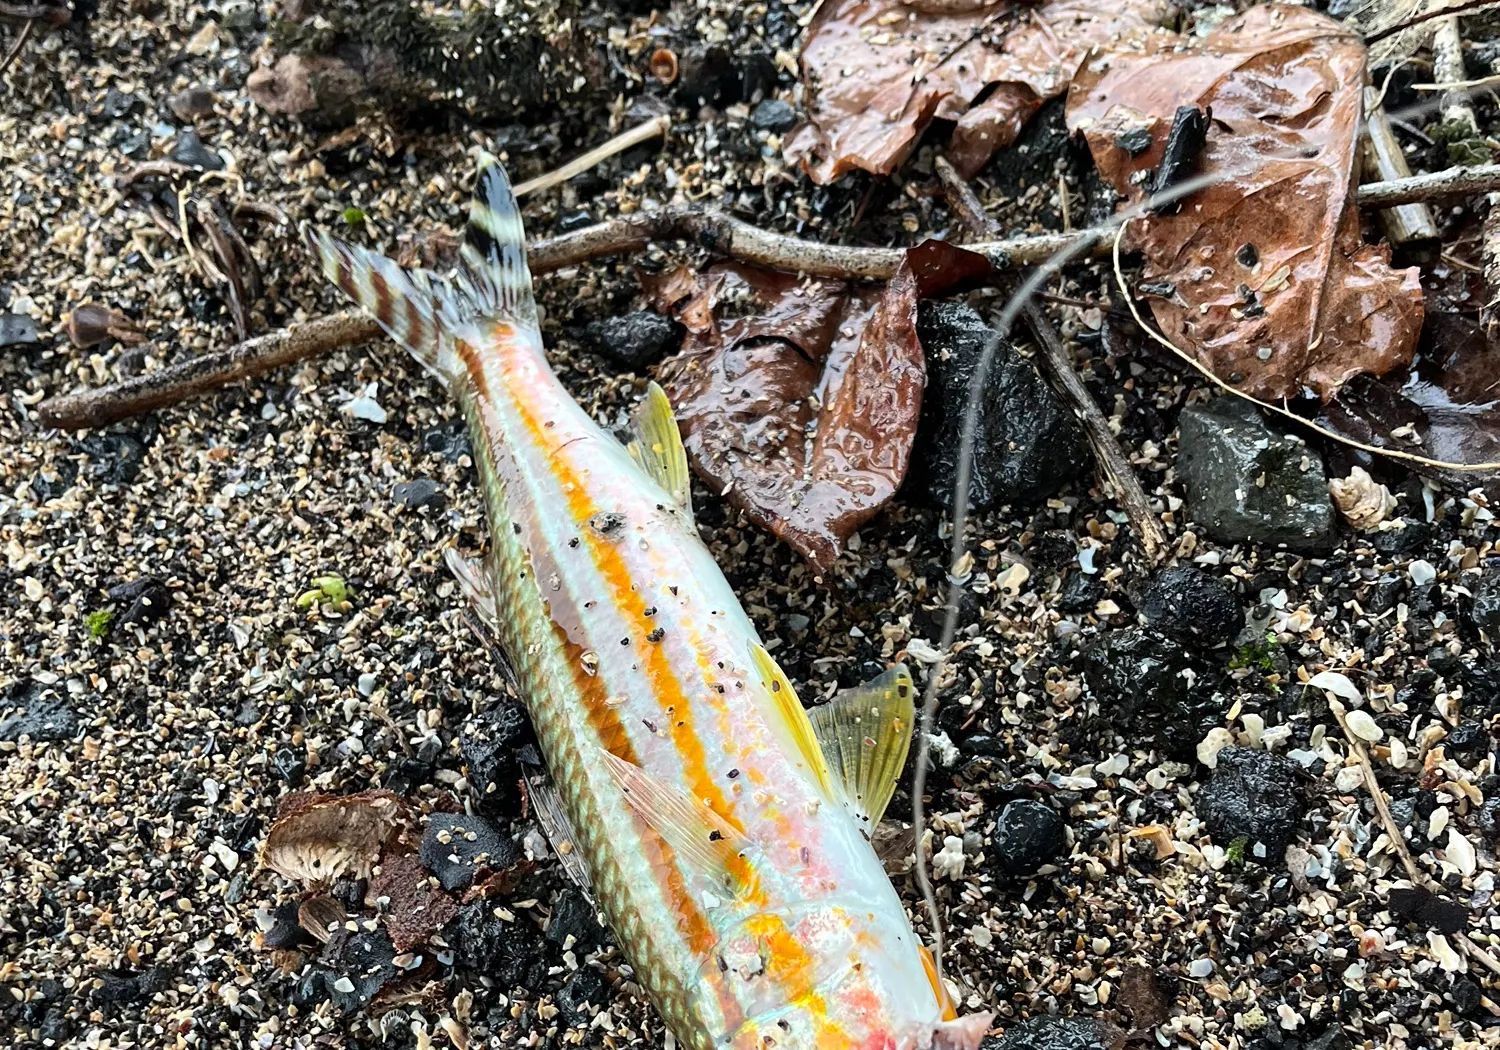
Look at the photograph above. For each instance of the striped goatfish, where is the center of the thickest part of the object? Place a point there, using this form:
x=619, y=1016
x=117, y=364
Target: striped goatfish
x=724, y=829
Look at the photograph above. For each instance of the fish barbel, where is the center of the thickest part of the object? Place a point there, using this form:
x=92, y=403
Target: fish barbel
x=722, y=827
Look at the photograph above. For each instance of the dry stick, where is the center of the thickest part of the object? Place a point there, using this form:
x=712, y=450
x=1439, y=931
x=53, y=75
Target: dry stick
x=1393, y=831
x=1383, y=158
x=714, y=231
x=20, y=42
x=1065, y=380
x=166, y=386
x=621, y=142
x=1448, y=64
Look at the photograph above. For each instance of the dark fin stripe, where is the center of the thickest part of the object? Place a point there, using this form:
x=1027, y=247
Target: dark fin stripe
x=494, y=250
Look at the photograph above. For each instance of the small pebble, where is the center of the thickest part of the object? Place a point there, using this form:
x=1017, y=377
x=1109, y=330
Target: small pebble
x=1362, y=725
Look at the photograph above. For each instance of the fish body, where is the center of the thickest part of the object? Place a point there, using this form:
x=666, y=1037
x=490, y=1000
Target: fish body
x=725, y=848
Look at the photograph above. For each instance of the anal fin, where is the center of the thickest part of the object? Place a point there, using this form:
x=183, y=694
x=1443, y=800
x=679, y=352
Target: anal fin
x=548, y=808
x=658, y=447
x=865, y=733
x=707, y=845
x=474, y=580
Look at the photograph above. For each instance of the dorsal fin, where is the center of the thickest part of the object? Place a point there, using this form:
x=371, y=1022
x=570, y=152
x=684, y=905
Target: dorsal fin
x=658, y=447
x=705, y=843
x=794, y=715
x=427, y=314
x=865, y=733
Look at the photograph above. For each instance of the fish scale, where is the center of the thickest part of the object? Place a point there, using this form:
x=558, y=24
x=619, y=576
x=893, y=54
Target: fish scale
x=722, y=839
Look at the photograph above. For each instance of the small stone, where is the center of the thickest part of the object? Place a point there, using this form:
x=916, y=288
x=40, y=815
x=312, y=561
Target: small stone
x=574, y=925
x=1421, y=572
x=1362, y=724
x=1191, y=605
x=1027, y=835
x=1154, y=685
x=585, y=989
x=1081, y=593
x=115, y=459
x=284, y=931
x=148, y=598
x=419, y=492
x=191, y=103
x=367, y=683
x=772, y=114
x=714, y=75
x=575, y=221
x=509, y=953
x=291, y=764
x=634, y=340
x=1247, y=483
x=1421, y=906
x=1485, y=611
x=1253, y=795
x=365, y=407
x=1467, y=738
x=489, y=744
x=456, y=847
x=117, y=104
x=190, y=150
x=1028, y=444
x=1135, y=141
x=37, y=711
x=18, y=330
x=1051, y=1033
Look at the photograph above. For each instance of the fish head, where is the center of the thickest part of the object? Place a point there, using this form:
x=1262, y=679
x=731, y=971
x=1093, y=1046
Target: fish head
x=839, y=977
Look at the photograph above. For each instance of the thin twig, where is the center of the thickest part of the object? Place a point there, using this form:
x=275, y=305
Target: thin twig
x=1448, y=64
x=15, y=49
x=166, y=386
x=1387, y=821
x=712, y=230
x=52, y=14
x=621, y=142
x=1384, y=159
x=1393, y=832
x=1065, y=380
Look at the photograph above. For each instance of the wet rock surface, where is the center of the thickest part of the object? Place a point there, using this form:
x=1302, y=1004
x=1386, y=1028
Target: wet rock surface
x=419, y=492
x=1248, y=483
x=18, y=330
x=1153, y=685
x=1051, y=1033
x=458, y=847
x=1255, y=796
x=634, y=340
x=1027, y=835
x=1191, y=605
x=37, y=711
x=1028, y=446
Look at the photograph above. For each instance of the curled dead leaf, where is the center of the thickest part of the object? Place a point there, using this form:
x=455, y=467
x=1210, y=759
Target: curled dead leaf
x=877, y=72
x=1264, y=274
x=799, y=398
x=318, y=838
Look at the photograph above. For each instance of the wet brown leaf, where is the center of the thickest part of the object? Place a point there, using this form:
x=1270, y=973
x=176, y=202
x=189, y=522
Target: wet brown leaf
x=878, y=72
x=1445, y=407
x=317, y=838
x=1264, y=275
x=799, y=398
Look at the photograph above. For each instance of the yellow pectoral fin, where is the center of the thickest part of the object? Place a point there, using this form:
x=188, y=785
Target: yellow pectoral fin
x=865, y=733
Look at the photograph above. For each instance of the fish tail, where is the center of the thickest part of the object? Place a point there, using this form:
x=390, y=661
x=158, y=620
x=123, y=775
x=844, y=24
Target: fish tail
x=429, y=314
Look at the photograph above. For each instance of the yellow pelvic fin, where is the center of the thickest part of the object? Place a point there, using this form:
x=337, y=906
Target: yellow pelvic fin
x=950, y=1013
x=865, y=733
x=795, y=715
x=658, y=447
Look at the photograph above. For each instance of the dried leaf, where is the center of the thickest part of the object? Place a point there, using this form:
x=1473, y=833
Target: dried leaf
x=1445, y=407
x=1263, y=275
x=318, y=838
x=415, y=908
x=877, y=72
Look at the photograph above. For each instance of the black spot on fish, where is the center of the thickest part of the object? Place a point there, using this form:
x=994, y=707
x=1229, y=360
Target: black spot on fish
x=573, y=542
x=515, y=527
x=650, y=610
x=733, y=773
x=715, y=835
x=657, y=635
x=607, y=523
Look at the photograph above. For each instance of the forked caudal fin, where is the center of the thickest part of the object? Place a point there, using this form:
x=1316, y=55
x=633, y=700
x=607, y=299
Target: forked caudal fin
x=426, y=313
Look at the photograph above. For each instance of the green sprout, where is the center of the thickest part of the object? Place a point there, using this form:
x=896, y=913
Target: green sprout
x=329, y=590
x=1235, y=854
x=354, y=216
x=1255, y=656
x=98, y=622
